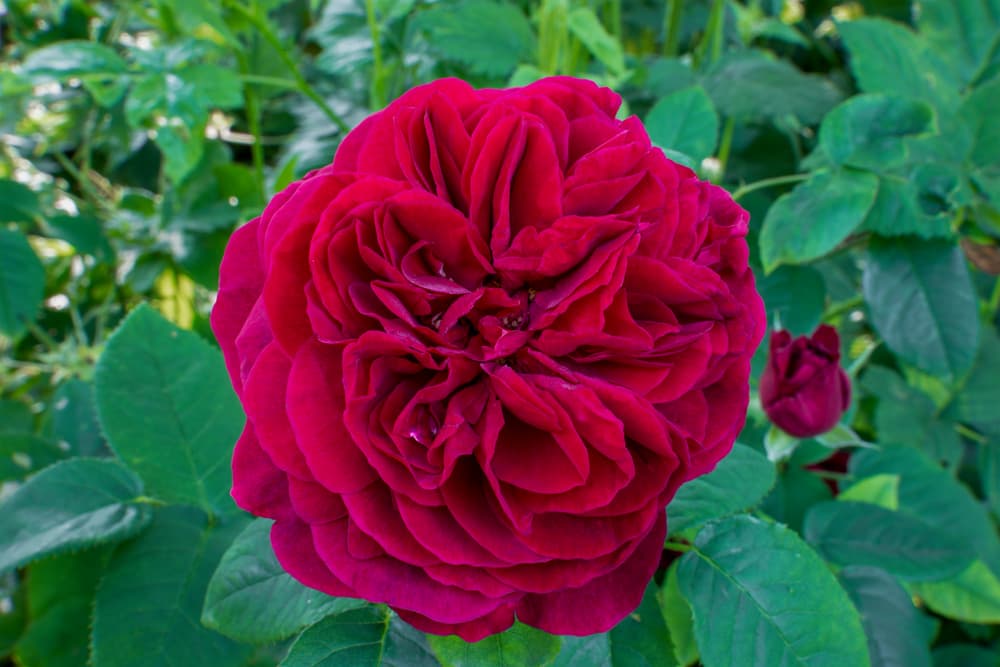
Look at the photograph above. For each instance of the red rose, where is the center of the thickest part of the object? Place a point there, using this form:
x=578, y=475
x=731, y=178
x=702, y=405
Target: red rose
x=479, y=353
x=803, y=389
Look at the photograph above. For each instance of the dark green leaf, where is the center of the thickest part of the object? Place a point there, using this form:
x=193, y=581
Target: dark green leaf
x=60, y=600
x=167, y=407
x=738, y=483
x=753, y=85
x=74, y=418
x=965, y=655
x=795, y=297
x=72, y=505
x=83, y=232
x=371, y=636
x=964, y=32
x=150, y=599
x=758, y=590
x=18, y=202
x=897, y=211
x=979, y=113
x=796, y=491
x=979, y=397
x=16, y=416
x=816, y=216
x=850, y=533
x=892, y=624
x=923, y=304
x=867, y=131
x=22, y=282
x=489, y=37
x=685, y=121
x=22, y=453
x=989, y=474
x=251, y=598
x=520, y=645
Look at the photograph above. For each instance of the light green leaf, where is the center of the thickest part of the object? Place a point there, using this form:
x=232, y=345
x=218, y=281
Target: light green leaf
x=22, y=282
x=851, y=533
x=679, y=618
x=520, y=645
x=71, y=505
x=922, y=303
x=868, y=131
x=371, y=636
x=251, y=598
x=150, y=599
x=758, y=590
x=753, y=85
x=881, y=490
x=972, y=596
x=585, y=26
x=685, y=121
x=739, y=482
x=892, y=624
x=816, y=216
x=169, y=412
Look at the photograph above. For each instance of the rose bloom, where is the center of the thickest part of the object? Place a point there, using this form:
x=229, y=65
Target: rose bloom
x=803, y=389
x=480, y=351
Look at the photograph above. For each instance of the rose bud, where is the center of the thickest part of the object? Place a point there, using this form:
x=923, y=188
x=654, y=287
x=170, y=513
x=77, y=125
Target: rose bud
x=480, y=352
x=804, y=390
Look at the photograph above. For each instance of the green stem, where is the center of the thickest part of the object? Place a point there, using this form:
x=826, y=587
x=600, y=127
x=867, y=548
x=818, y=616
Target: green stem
x=376, y=95
x=846, y=306
x=672, y=14
x=725, y=146
x=967, y=432
x=994, y=304
x=677, y=546
x=613, y=18
x=710, y=47
x=303, y=86
x=744, y=190
x=274, y=81
x=252, y=104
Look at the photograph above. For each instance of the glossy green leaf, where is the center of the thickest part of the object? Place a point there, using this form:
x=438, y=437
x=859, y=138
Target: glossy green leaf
x=753, y=85
x=60, y=601
x=251, y=598
x=22, y=282
x=868, y=131
x=18, y=202
x=972, y=596
x=586, y=27
x=150, y=599
x=739, y=482
x=816, y=216
x=371, y=636
x=892, y=624
x=73, y=58
x=853, y=533
x=71, y=505
x=520, y=645
x=641, y=639
x=167, y=407
x=685, y=121
x=922, y=303
x=795, y=297
x=758, y=590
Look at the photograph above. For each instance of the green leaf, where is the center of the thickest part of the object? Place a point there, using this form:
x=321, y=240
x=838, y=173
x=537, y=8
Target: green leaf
x=491, y=38
x=60, y=599
x=892, y=624
x=868, y=131
x=796, y=491
x=214, y=86
x=371, y=636
x=881, y=490
x=886, y=57
x=18, y=202
x=23, y=453
x=74, y=418
x=13, y=612
x=989, y=474
x=73, y=58
x=852, y=533
x=679, y=619
x=922, y=303
x=972, y=596
x=22, y=282
x=640, y=640
x=979, y=113
x=965, y=655
x=586, y=27
x=753, y=85
x=758, y=590
x=72, y=505
x=83, y=232
x=251, y=598
x=520, y=645
x=979, y=397
x=16, y=416
x=964, y=32
x=739, y=482
x=897, y=210
x=150, y=599
x=816, y=216
x=685, y=121
x=795, y=297
x=168, y=410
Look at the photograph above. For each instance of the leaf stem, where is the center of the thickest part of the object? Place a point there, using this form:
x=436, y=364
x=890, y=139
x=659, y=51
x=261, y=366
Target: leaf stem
x=725, y=146
x=838, y=309
x=744, y=190
x=967, y=432
x=376, y=94
x=672, y=14
x=677, y=546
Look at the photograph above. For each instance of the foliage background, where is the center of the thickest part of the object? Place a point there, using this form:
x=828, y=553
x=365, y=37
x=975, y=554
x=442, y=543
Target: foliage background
x=864, y=137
